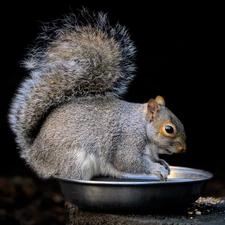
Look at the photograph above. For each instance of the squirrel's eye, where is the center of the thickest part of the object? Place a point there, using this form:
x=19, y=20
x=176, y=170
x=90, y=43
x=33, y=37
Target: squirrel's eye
x=169, y=129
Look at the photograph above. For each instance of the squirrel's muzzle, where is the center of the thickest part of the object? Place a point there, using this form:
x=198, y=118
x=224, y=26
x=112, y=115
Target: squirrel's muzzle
x=181, y=149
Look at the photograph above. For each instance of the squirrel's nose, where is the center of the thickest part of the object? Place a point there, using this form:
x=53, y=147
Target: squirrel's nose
x=181, y=149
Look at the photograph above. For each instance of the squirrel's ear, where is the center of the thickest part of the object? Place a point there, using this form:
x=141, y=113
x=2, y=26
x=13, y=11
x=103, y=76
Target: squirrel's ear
x=160, y=100
x=152, y=109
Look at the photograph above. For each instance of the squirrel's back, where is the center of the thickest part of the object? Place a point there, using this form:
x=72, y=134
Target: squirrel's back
x=73, y=57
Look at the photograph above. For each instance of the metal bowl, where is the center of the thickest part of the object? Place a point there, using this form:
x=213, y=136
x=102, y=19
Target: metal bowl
x=136, y=193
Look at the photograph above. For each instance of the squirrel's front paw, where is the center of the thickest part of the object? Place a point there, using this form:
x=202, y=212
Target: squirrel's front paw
x=165, y=164
x=160, y=171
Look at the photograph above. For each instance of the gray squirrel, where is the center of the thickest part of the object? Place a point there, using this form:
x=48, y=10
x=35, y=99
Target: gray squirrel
x=69, y=117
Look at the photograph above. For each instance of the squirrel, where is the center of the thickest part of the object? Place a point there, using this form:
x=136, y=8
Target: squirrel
x=69, y=116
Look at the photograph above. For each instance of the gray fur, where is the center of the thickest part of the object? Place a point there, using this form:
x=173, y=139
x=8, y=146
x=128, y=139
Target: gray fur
x=77, y=78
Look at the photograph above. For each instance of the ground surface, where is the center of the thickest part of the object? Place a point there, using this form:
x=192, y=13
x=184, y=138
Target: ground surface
x=205, y=211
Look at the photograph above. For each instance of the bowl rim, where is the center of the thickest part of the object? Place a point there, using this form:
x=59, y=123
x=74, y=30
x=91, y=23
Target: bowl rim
x=140, y=179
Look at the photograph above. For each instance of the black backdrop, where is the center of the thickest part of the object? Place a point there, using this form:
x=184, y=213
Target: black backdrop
x=180, y=56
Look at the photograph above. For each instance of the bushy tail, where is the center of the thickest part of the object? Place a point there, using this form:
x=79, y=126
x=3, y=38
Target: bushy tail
x=74, y=56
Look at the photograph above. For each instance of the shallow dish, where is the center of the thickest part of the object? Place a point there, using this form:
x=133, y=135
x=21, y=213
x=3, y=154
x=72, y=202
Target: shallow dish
x=136, y=193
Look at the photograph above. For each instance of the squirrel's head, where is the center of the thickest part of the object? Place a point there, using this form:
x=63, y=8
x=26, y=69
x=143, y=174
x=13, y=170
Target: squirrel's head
x=166, y=131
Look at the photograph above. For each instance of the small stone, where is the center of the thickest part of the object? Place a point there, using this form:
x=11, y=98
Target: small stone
x=198, y=213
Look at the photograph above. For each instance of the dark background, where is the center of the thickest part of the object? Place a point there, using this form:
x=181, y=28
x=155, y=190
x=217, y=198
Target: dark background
x=180, y=55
